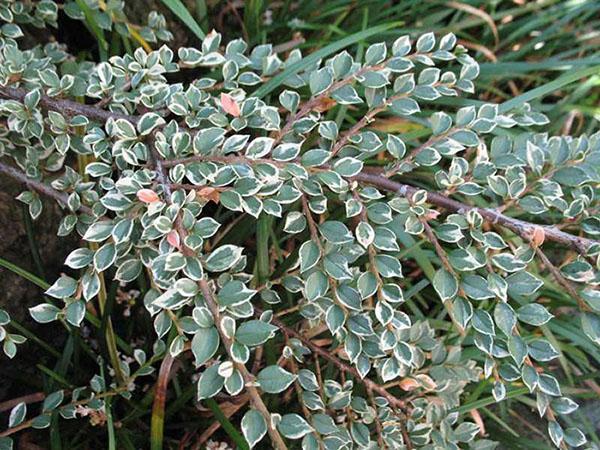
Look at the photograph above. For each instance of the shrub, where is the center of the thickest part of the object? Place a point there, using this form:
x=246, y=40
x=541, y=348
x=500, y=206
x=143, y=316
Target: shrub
x=319, y=297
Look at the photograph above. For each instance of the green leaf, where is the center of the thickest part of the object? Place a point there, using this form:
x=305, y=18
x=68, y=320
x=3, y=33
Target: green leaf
x=517, y=349
x=62, y=288
x=44, y=312
x=210, y=382
x=293, y=426
x=75, y=312
x=335, y=232
x=542, y=350
x=105, y=256
x=534, y=314
x=320, y=80
x=273, y=379
x=17, y=414
x=149, y=122
x=483, y=323
x=309, y=255
x=205, y=344
x=254, y=427
x=255, y=332
x=590, y=324
x=445, y=284
x=234, y=293
x=223, y=258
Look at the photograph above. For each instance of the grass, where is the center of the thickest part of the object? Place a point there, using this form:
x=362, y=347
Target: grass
x=534, y=52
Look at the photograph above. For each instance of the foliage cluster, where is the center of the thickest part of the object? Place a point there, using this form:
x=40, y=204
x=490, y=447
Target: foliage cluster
x=319, y=302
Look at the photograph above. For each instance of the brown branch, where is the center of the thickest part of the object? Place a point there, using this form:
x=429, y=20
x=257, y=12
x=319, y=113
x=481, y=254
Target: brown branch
x=446, y=264
x=40, y=187
x=368, y=118
x=30, y=398
x=67, y=107
x=561, y=280
x=394, y=401
x=213, y=306
x=519, y=227
x=415, y=151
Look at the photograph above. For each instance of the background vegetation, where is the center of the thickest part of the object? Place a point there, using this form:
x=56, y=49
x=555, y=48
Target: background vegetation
x=544, y=52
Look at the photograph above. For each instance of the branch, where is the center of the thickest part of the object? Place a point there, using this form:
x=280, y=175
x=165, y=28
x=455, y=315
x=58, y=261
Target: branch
x=67, y=107
x=519, y=227
x=446, y=264
x=393, y=400
x=40, y=187
x=522, y=228
x=561, y=280
x=213, y=306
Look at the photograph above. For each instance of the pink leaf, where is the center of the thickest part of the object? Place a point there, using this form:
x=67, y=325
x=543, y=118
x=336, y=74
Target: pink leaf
x=229, y=105
x=173, y=238
x=147, y=196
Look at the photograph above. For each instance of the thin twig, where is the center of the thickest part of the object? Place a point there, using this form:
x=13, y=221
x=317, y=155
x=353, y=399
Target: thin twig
x=212, y=305
x=393, y=400
x=39, y=186
x=561, y=280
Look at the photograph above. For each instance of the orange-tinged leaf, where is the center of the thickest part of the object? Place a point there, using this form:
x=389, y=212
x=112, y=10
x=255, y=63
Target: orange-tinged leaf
x=409, y=384
x=229, y=105
x=478, y=420
x=325, y=104
x=395, y=125
x=147, y=196
x=209, y=194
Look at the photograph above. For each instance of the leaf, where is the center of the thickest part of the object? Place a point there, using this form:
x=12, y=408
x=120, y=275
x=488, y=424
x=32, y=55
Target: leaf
x=445, y=284
x=259, y=147
x=534, y=314
x=44, y=312
x=293, y=426
x=590, y=323
x=205, y=344
x=309, y=255
x=223, y=258
x=184, y=15
x=335, y=232
x=149, y=122
x=483, y=323
x=62, y=288
x=273, y=379
x=229, y=105
x=255, y=332
x=17, y=414
x=234, y=293
x=210, y=382
x=254, y=427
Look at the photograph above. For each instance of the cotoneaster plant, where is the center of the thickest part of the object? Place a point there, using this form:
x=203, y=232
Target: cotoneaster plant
x=315, y=320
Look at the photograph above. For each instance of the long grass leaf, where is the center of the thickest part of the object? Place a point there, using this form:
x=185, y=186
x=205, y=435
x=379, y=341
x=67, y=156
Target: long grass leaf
x=547, y=88
x=179, y=9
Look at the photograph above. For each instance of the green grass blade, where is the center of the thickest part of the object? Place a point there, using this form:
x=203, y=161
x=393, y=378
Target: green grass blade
x=179, y=9
x=489, y=400
x=95, y=28
x=547, y=88
x=25, y=274
x=277, y=80
x=227, y=425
